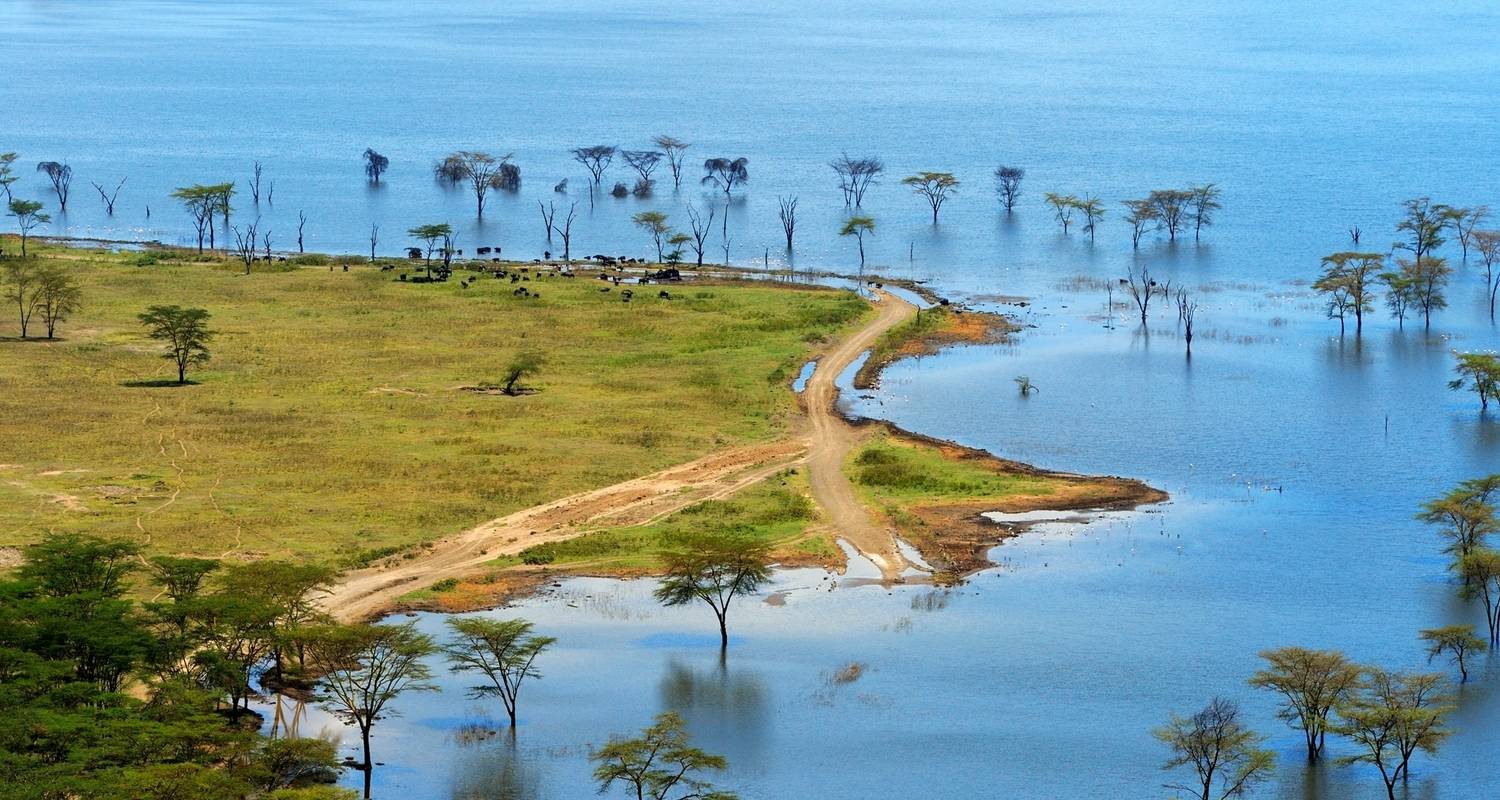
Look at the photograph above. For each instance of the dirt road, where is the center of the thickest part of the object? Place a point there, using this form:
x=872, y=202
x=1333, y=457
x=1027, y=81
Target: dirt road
x=823, y=440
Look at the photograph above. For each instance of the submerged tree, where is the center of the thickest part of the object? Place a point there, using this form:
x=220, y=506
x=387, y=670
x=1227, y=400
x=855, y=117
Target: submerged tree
x=1423, y=226
x=1480, y=571
x=1346, y=281
x=375, y=165
x=859, y=227
x=1458, y=641
x=1008, y=185
x=109, y=198
x=1427, y=278
x=1466, y=513
x=856, y=176
x=660, y=764
x=1392, y=717
x=481, y=170
x=7, y=174
x=1187, y=312
x=364, y=669
x=1487, y=243
x=714, y=569
x=1092, y=209
x=725, y=173
x=934, y=187
x=1203, y=204
x=596, y=159
x=787, y=211
x=1063, y=206
x=1141, y=214
x=1141, y=288
x=504, y=652
x=185, y=332
x=644, y=162
x=1312, y=684
x=61, y=176
x=1224, y=755
x=1464, y=221
x=28, y=216
x=1172, y=207
x=674, y=149
x=1480, y=372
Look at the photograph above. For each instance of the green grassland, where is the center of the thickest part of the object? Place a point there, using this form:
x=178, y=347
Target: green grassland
x=333, y=422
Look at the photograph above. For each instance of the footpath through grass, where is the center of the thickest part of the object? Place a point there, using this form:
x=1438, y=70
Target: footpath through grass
x=333, y=420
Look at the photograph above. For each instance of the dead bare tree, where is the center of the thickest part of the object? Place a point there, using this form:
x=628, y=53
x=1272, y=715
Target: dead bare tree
x=1187, y=308
x=1008, y=185
x=855, y=176
x=61, y=176
x=1141, y=288
x=674, y=150
x=566, y=232
x=1354, y=233
x=109, y=198
x=595, y=158
x=788, y=213
x=549, y=212
x=301, y=221
x=255, y=183
x=701, y=226
x=245, y=242
x=271, y=193
x=265, y=239
x=374, y=240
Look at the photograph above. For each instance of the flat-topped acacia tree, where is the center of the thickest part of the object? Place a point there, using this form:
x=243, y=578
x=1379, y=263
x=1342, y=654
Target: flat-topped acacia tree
x=934, y=187
x=674, y=149
x=184, y=330
x=714, y=568
x=726, y=173
x=859, y=227
x=504, y=652
x=596, y=159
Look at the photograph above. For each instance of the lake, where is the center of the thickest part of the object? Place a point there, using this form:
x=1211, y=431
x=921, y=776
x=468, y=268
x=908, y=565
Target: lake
x=1295, y=458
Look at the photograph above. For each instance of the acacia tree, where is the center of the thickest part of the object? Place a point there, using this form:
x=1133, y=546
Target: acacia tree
x=1398, y=294
x=660, y=764
x=1464, y=221
x=1427, y=278
x=1172, y=207
x=596, y=159
x=201, y=202
x=787, y=211
x=184, y=330
x=855, y=176
x=714, y=569
x=7, y=174
x=290, y=590
x=1008, y=185
x=725, y=173
x=1346, y=281
x=934, y=187
x=1141, y=214
x=1092, y=209
x=503, y=651
x=700, y=227
x=58, y=296
x=1487, y=243
x=1423, y=226
x=1391, y=717
x=1481, y=372
x=1458, y=641
x=1480, y=571
x=365, y=668
x=858, y=227
x=61, y=176
x=1225, y=756
x=109, y=197
x=644, y=162
x=1466, y=515
x=375, y=165
x=1312, y=684
x=674, y=149
x=655, y=224
x=28, y=215
x=431, y=235
x=524, y=364
x=1063, y=206
x=481, y=170
x=23, y=283
x=1203, y=203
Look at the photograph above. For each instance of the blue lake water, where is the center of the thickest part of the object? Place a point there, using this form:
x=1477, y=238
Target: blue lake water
x=1295, y=459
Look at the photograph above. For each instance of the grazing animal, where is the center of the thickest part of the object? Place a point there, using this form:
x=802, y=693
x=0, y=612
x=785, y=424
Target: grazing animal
x=464, y=284
x=627, y=293
x=483, y=251
x=605, y=289
x=664, y=294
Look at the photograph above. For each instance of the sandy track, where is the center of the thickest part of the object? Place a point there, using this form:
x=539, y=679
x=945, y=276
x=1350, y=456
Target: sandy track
x=823, y=441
